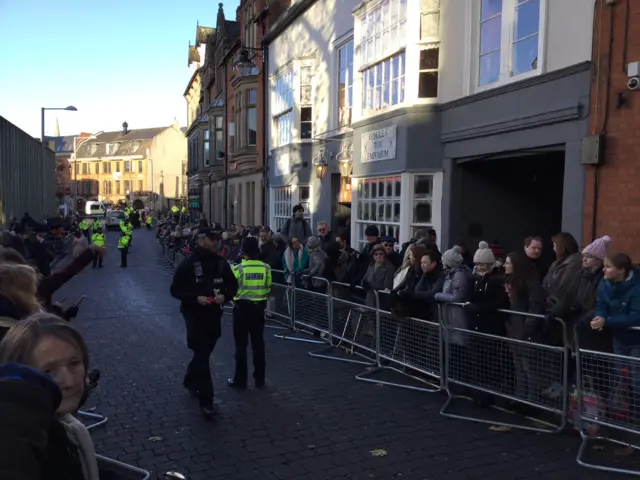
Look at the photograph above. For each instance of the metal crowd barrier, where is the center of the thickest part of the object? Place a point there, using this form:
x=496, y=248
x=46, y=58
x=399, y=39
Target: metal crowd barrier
x=352, y=327
x=480, y=362
x=608, y=394
x=99, y=419
x=409, y=346
x=313, y=320
x=278, y=313
x=116, y=470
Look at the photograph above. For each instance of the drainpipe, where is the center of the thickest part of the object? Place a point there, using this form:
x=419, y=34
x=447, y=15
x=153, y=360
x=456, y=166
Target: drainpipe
x=226, y=149
x=210, y=219
x=265, y=143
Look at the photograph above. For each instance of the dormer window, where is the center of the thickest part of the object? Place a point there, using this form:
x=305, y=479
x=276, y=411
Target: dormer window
x=92, y=149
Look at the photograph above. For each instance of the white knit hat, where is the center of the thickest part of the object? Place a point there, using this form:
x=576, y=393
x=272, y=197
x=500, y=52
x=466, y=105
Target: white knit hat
x=484, y=254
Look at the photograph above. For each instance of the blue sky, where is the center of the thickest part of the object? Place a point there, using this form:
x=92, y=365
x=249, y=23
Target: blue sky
x=116, y=60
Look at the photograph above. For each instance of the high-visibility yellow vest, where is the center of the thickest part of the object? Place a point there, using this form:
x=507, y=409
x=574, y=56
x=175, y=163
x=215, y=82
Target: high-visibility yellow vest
x=174, y=209
x=126, y=229
x=254, y=280
x=123, y=242
x=84, y=225
x=149, y=220
x=96, y=225
x=98, y=239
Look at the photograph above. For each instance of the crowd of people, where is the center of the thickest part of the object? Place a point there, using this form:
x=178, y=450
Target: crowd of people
x=593, y=291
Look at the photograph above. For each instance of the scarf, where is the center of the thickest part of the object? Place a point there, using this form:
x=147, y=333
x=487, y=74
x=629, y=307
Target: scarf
x=289, y=260
x=78, y=434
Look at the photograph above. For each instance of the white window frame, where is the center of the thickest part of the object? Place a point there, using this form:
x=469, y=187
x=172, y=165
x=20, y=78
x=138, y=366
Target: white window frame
x=406, y=224
x=281, y=205
x=367, y=36
x=282, y=109
x=357, y=239
x=310, y=104
x=506, y=46
x=348, y=86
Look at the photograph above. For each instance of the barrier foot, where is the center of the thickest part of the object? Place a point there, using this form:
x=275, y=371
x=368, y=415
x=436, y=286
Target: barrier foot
x=417, y=384
x=536, y=424
x=297, y=336
x=122, y=468
x=586, y=440
x=341, y=355
x=275, y=326
x=100, y=419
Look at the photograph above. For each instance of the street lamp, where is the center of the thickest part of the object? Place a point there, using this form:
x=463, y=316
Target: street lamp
x=345, y=160
x=70, y=108
x=320, y=164
x=244, y=61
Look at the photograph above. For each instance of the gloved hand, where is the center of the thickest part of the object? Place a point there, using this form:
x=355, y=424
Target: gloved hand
x=19, y=372
x=404, y=293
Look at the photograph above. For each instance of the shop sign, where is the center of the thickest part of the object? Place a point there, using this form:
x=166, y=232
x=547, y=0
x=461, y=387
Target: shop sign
x=379, y=144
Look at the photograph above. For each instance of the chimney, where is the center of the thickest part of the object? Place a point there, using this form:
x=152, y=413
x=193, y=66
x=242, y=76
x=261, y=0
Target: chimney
x=125, y=128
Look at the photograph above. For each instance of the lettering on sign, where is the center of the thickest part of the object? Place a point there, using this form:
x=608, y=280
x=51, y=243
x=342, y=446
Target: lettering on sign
x=379, y=145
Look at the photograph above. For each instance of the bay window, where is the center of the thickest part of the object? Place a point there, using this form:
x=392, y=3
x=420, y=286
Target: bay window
x=252, y=117
x=207, y=147
x=345, y=84
x=382, y=41
x=509, y=39
x=219, y=138
x=384, y=84
x=282, y=102
x=378, y=203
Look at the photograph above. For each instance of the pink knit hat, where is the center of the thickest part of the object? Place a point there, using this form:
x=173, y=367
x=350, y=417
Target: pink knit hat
x=598, y=248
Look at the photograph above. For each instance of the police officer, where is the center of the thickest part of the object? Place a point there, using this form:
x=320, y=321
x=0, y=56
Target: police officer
x=203, y=282
x=98, y=238
x=254, y=285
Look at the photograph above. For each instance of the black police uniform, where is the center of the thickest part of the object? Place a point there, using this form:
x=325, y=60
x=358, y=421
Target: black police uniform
x=202, y=274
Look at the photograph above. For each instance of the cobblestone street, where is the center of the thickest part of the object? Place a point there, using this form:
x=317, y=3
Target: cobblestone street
x=313, y=421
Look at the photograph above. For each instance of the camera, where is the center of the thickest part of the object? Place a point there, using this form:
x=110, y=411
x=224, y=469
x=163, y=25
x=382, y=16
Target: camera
x=633, y=83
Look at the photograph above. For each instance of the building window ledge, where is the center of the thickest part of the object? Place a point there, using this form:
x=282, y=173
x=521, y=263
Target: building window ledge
x=396, y=111
x=238, y=82
x=248, y=151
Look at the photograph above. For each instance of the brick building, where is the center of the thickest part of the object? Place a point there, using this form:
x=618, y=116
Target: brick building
x=612, y=187
x=231, y=170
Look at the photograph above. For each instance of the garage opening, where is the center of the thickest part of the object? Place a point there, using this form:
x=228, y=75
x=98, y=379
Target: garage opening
x=508, y=199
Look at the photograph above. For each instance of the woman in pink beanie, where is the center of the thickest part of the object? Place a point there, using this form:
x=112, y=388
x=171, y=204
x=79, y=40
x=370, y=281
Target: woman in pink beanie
x=597, y=248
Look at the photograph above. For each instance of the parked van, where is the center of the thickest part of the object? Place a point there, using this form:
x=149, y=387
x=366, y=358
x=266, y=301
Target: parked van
x=95, y=209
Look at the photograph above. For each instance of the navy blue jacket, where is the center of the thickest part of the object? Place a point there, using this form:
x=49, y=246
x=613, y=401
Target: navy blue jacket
x=619, y=304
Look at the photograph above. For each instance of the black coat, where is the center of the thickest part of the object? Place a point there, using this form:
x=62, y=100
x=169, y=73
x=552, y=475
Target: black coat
x=200, y=274
x=488, y=296
x=34, y=445
x=430, y=283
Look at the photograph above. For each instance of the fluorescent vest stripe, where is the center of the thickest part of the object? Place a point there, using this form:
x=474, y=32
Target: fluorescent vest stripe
x=254, y=280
